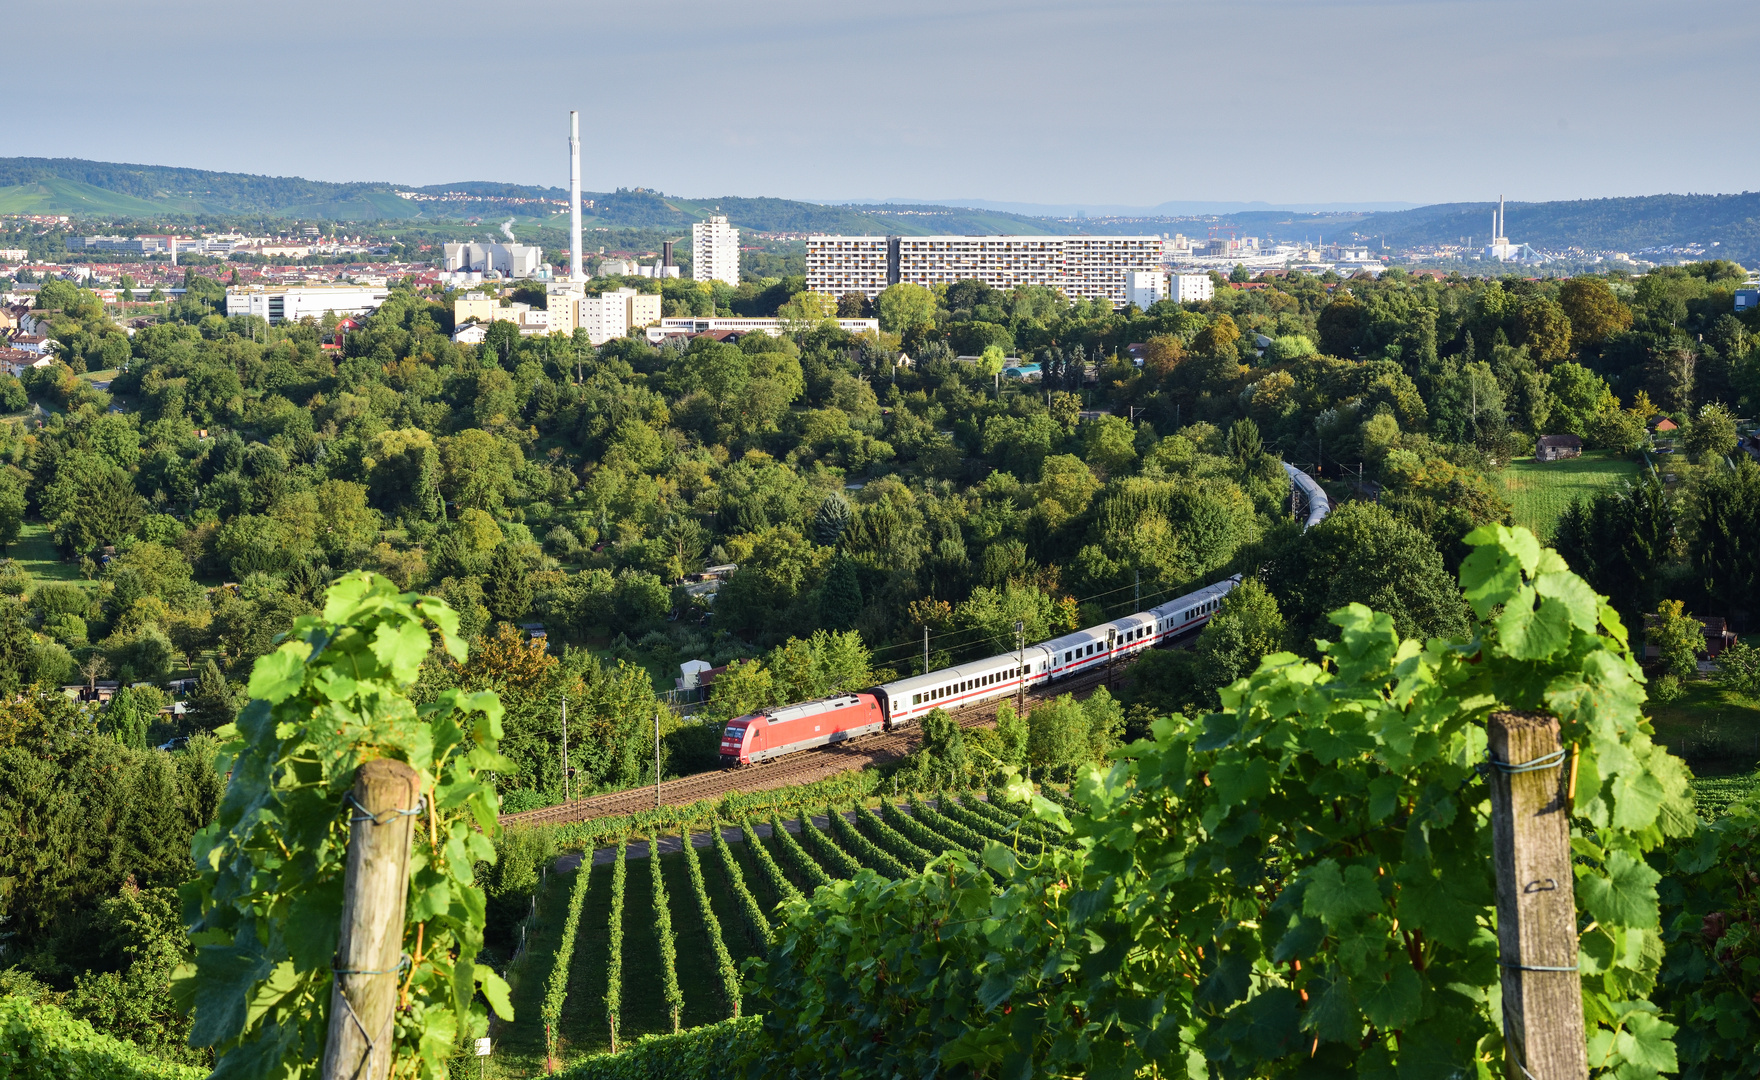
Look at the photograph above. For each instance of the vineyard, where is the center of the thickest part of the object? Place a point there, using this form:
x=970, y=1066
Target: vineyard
x=645, y=936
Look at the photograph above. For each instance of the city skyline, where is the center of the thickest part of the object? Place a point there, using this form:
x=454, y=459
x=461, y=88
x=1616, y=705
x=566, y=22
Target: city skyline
x=1401, y=101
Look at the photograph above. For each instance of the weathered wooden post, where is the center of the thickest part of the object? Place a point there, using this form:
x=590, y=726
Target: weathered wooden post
x=363, y=996
x=1536, y=903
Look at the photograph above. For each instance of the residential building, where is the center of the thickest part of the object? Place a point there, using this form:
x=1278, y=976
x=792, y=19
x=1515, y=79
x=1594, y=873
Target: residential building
x=1190, y=288
x=611, y=314
x=1747, y=299
x=715, y=251
x=508, y=260
x=290, y=303
x=13, y=255
x=691, y=326
x=1145, y=287
x=1080, y=267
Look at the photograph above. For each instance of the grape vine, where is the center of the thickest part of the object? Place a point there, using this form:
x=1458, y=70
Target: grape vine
x=724, y=965
x=940, y=824
x=870, y=853
x=267, y=900
x=756, y=924
x=780, y=886
x=891, y=840
x=826, y=851
x=614, y=936
x=556, y=987
x=810, y=871
x=673, y=996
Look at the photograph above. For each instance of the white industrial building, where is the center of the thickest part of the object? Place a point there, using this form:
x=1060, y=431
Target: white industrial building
x=508, y=260
x=291, y=303
x=715, y=251
x=1080, y=267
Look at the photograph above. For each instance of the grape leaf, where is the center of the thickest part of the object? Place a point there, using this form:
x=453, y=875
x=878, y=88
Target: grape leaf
x=1625, y=895
x=1337, y=896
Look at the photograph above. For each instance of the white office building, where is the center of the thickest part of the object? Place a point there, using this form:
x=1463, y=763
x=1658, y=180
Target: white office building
x=508, y=260
x=1080, y=267
x=291, y=303
x=1190, y=288
x=1145, y=287
x=715, y=251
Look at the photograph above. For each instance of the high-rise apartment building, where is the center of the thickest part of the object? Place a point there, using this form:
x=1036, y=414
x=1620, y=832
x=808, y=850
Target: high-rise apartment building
x=1080, y=267
x=1189, y=288
x=715, y=251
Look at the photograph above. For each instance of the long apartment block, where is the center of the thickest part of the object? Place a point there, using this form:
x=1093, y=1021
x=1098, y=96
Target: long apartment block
x=1081, y=267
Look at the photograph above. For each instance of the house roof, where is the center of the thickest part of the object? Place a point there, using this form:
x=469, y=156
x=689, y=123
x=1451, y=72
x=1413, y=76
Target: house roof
x=1571, y=441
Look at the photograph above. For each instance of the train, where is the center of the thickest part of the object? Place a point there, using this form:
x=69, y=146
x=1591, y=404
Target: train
x=786, y=729
x=771, y=733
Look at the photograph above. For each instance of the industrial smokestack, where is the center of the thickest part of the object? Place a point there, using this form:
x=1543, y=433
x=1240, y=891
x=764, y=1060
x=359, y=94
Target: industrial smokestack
x=574, y=195
x=1501, y=226
x=665, y=253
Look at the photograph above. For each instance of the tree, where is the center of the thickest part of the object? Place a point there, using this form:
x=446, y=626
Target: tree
x=507, y=592
x=1678, y=638
x=214, y=702
x=1595, y=314
x=1340, y=323
x=831, y=519
x=90, y=503
x=903, y=306
x=144, y=942
x=1621, y=539
x=1244, y=443
x=126, y=721
x=840, y=595
x=1712, y=435
x=1247, y=628
x=12, y=506
x=1543, y=326
x=1724, y=556
x=1363, y=554
x=1218, y=338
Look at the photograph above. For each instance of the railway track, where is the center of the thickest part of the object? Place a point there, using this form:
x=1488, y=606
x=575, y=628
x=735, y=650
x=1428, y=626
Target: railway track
x=803, y=767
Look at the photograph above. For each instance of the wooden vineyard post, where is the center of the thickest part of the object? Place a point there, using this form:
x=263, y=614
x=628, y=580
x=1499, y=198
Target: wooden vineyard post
x=363, y=994
x=1536, y=903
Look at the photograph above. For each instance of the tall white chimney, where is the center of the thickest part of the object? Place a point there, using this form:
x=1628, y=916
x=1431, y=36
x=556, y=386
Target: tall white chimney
x=1500, y=223
x=574, y=195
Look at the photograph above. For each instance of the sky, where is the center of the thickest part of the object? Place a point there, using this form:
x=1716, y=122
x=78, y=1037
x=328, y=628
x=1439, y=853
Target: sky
x=1122, y=103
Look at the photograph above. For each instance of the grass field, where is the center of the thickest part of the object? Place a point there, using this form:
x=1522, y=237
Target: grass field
x=36, y=552
x=1716, y=730
x=1539, y=493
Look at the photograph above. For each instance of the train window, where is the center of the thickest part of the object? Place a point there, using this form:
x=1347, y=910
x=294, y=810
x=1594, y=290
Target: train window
x=916, y=699
x=1066, y=658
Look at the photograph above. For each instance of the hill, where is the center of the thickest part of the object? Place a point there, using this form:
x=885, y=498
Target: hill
x=110, y=190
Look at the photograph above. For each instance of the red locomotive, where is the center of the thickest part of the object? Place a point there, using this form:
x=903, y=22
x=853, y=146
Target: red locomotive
x=770, y=733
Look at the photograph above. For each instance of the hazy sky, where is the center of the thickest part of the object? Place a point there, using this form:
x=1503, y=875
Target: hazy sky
x=1109, y=101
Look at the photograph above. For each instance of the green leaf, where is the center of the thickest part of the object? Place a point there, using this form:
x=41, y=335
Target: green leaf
x=495, y=991
x=1647, y=1041
x=1337, y=896
x=1390, y=1000
x=1623, y=895
x=402, y=648
x=1529, y=633
x=1574, y=595
x=279, y=675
